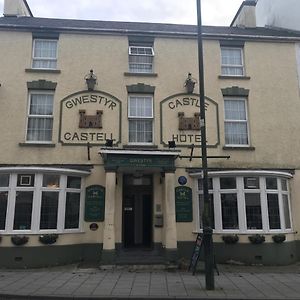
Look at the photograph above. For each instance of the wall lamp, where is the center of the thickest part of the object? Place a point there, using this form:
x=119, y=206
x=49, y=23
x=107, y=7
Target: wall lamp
x=109, y=143
x=172, y=144
x=91, y=80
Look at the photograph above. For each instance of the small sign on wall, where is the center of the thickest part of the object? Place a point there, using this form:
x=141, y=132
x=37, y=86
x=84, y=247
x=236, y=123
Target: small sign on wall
x=183, y=202
x=94, y=203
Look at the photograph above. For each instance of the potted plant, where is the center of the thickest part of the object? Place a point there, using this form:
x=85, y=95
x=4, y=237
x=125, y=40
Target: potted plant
x=19, y=240
x=230, y=238
x=48, y=239
x=279, y=238
x=256, y=239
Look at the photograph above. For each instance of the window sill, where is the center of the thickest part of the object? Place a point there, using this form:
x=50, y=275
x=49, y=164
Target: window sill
x=140, y=74
x=48, y=145
x=248, y=148
x=234, y=77
x=42, y=71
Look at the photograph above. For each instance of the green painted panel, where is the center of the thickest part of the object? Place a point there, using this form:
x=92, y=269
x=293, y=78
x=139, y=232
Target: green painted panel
x=183, y=202
x=94, y=203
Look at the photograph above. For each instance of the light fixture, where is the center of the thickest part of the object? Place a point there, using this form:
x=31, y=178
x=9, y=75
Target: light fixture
x=190, y=84
x=172, y=144
x=91, y=80
x=109, y=143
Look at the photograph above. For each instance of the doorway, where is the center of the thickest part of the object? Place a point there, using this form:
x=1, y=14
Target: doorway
x=137, y=211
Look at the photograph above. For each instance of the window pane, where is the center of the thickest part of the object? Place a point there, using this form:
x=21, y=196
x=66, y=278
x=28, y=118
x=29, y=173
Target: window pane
x=273, y=209
x=235, y=110
x=41, y=104
x=201, y=209
x=227, y=183
x=251, y=182
x=200, y=184
x=39, y=129
x=45, y=49
x=236, y=133
x=140, y=107
x=253, y=211
x=284, y=184
x=25, y=180
x=3, y=209
x=72, y=210
x=229, y=211
x=49, y=209
x=286, y=211
x=271, y=183
x=4, y=180
x=23, y=210
x=140, y=131
x=51, y=181
x=74, y=182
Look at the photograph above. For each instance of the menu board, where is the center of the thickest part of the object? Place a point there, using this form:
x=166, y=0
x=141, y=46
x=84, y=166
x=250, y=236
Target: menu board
x=94, y=203
x=184, y=205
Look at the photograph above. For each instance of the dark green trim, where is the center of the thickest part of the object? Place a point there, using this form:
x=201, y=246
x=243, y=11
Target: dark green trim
x=141, y=147
x=140, y=74
x=235, y=91
x=116, y=143
x=37, y=145
x=188, y=146
x=45, y=35
x=140, y=88
x=239, y=148
x=232, y=43
x=44, y=256
x=171, y=255
x=108, y=257
x=41, y=84
x=234, y=77
x=42, y=71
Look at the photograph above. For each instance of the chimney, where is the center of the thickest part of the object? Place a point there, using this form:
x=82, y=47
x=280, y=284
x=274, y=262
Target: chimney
x=246, y=15
x=16, y=8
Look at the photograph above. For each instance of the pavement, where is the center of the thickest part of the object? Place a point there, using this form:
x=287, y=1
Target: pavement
x=79, y=282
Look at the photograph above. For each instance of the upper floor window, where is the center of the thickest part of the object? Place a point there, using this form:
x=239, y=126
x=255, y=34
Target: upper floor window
x=236, y=122
x=44, y=54
x=140, y=116
x=232, y=61
x=39, y=202
x=40, y=117
x=141, y=59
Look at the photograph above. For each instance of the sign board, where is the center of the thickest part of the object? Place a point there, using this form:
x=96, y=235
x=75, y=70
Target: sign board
x=183, y=203
x=94, y=203
x=196, y=253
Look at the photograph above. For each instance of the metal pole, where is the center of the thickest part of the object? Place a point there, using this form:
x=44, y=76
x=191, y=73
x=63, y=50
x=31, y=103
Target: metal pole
x=206, y=216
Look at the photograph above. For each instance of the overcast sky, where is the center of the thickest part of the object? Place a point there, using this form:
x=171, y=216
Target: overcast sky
x=214, y=12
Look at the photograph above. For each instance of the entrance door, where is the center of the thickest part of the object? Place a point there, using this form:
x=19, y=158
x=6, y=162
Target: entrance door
x=137, y=212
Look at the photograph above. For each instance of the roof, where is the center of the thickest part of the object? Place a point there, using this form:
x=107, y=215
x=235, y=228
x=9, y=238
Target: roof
x=155, y=29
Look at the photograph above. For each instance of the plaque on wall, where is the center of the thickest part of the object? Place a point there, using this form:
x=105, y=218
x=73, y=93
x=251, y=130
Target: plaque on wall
x=94, y=203
x=183, y=202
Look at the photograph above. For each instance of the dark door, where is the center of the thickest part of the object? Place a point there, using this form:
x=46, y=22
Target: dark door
x=137, y=214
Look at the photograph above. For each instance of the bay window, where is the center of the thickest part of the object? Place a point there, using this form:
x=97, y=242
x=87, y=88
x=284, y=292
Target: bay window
x=244, y=202
x=37, y=202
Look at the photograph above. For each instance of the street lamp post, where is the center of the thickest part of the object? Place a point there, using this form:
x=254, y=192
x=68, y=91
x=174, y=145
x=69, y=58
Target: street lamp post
x=206, y=215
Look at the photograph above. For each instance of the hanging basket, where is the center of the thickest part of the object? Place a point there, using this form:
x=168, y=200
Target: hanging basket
x=256, y=239
x=230, y=238
x=278, y=238
x=48, y=239
x=19, y=240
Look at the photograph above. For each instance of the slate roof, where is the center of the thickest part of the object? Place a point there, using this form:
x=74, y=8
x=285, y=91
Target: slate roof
x=155, y=29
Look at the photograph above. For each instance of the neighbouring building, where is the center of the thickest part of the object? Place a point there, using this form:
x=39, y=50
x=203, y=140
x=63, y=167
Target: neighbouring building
x=100, y=141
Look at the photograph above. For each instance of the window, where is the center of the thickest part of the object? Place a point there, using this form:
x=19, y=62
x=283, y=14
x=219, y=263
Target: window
x=247, y=203
x=236, y=122
x=141, y=59
x=50, y=203
x=40, y=117
x=140, y=115
x=44, y=54
x=232, y=61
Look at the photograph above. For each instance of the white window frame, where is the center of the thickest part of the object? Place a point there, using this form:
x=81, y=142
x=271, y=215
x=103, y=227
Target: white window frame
x=141, y=54
x=37, y=200
x=241, y=191
x=242, y=66
x=141, y=118
x=39, y=116
x=237, y=121
x=44, y=58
